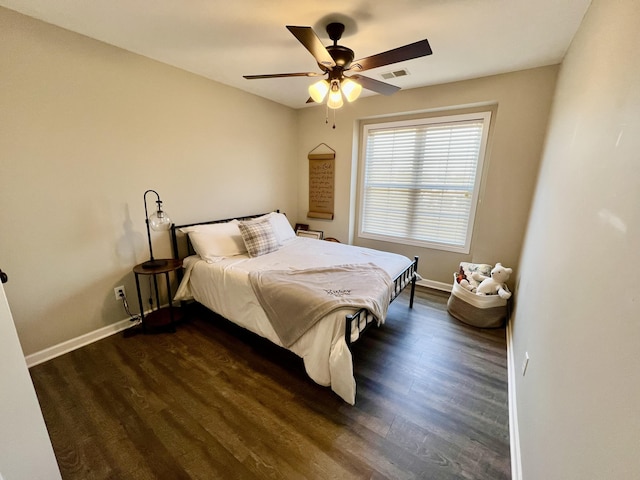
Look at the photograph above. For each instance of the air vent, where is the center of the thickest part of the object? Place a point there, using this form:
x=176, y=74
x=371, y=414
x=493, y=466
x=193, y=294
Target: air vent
x=397, y=73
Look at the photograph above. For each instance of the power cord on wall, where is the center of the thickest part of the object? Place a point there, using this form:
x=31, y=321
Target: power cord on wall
x=134, y=318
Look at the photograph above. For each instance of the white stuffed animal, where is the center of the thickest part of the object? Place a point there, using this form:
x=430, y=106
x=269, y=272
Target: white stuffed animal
x=464, y=283
x=496, y=283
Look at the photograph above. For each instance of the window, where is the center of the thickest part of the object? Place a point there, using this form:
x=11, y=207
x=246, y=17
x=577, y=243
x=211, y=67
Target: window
x=421, y=180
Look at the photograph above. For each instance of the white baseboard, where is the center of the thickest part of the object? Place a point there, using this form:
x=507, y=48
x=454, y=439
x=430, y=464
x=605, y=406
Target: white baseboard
x=514, y=434
x=445, y=287
x=516, y=463
x=70, y=345
x=78, y=342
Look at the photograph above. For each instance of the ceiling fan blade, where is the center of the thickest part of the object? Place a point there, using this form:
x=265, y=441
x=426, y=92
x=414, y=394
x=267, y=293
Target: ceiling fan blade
x=282, y=75
x=375, y=85
x=400, y=54
x=307, y=37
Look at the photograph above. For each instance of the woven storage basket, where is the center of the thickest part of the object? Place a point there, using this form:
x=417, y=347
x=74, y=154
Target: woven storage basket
x=485, y=311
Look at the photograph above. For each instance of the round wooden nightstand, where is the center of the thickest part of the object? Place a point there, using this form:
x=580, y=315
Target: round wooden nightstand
x=161, y=316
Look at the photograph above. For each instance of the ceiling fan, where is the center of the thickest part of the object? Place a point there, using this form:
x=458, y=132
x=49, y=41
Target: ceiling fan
x=334, y=60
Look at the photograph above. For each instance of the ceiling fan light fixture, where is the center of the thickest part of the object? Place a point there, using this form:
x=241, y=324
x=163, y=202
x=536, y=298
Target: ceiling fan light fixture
x=319, y=90
x=335, y=96
x=334, y=60
x=351, y=89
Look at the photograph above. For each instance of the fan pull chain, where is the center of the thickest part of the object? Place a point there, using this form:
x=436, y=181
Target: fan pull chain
x=326, y=118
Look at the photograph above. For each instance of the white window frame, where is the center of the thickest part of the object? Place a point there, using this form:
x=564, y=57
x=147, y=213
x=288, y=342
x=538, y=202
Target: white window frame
x=464, y=246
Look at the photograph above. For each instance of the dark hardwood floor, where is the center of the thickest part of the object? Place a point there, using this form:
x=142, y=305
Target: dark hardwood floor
x=213, y=401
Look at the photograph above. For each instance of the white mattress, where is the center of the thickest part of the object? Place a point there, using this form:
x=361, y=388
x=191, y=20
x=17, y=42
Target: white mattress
x=224, y=287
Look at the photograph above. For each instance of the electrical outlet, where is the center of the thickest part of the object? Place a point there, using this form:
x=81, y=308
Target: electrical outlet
x=525, y=363
x=119, y=292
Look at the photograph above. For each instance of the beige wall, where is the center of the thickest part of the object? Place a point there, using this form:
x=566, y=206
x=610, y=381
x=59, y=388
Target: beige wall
x=577, y=304
x=85, y=129
x=521, y=103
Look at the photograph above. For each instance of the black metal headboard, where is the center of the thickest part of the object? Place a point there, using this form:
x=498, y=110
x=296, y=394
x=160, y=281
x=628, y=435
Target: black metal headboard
x=181, y=246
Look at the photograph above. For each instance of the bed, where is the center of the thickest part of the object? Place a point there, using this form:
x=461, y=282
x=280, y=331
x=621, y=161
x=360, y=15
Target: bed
x=310, y=296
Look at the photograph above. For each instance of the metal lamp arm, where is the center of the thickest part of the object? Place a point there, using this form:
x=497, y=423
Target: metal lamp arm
x=146, y=216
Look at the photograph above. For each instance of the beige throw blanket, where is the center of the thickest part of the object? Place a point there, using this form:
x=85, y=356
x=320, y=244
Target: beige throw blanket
x=294, y=300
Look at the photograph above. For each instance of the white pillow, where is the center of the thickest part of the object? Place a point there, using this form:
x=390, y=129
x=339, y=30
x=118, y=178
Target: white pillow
x=281, y=227
x=216, y=241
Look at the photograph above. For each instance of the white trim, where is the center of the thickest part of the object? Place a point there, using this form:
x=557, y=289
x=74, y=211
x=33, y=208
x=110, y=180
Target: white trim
x=88, y=338
x=514, y=434
x=445, y=287
x=81, y=341
x=75, y=343
x=483, y=116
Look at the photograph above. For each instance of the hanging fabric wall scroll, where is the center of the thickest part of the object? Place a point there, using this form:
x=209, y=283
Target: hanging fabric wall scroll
x=321, y=181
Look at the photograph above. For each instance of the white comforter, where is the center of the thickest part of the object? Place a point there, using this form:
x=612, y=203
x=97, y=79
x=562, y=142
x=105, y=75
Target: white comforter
x=224, y=287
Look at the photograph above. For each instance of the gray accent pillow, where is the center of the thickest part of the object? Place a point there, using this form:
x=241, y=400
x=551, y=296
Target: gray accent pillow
x=259, y=238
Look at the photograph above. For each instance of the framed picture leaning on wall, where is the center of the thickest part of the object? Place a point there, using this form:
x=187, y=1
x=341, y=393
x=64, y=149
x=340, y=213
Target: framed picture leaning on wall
x=317, y=234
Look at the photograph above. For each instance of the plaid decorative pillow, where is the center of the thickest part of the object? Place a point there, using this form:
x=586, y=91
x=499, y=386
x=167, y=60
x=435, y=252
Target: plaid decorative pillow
x=258, y=237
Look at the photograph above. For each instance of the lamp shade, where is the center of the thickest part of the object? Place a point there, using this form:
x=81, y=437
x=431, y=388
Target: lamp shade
x=350, y=89
x=160, y=221
x=335, y=96
x=319, y=90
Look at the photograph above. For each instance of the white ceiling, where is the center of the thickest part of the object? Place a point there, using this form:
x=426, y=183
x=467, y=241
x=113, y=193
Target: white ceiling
x=223, y=40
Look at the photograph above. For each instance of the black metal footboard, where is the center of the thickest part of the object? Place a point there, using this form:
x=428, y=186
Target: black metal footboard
x=363, y=317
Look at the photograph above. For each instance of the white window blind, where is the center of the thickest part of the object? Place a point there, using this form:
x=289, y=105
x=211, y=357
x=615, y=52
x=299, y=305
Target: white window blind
x=421, y=180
